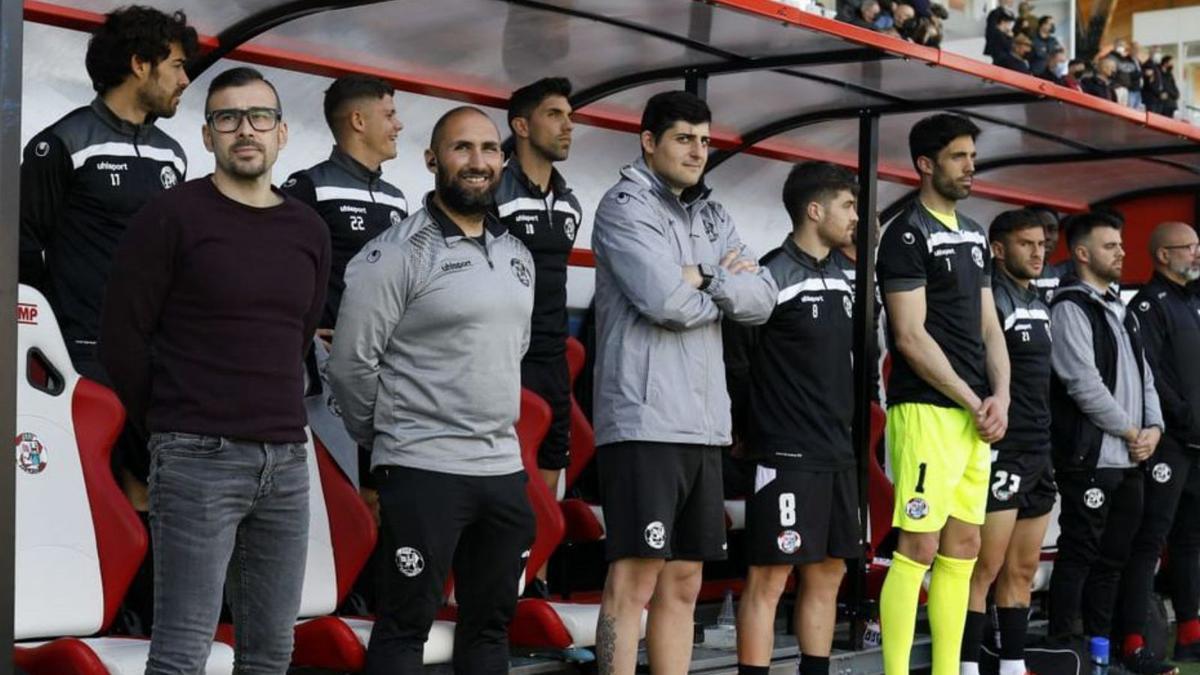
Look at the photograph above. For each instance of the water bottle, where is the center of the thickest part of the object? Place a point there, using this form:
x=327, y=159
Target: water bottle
x=1098, y=649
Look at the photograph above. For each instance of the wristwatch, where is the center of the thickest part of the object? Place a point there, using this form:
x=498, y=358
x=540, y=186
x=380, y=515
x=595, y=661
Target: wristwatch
x=707, y=272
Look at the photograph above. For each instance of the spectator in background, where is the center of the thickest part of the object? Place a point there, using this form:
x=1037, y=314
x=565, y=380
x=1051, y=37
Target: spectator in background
x=1099, y=82
x=1057, y=70
x=1170, y=88
x=1024, y=26
x=1000, y=43
x=864, y=15
x=1128, y=72
x=1044, y=44
x=996, y=37
x=1077, y=69
x=1015, y=58
x=1152, y=89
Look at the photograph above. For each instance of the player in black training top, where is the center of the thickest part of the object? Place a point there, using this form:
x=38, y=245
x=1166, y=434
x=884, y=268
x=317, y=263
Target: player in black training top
x=803, y=513
x=84, y=177
x=347, y=190
x=535, y=204
x=947, y=392
x=1021, y=491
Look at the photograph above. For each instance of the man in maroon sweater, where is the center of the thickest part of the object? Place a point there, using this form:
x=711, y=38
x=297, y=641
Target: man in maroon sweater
x=213, y=299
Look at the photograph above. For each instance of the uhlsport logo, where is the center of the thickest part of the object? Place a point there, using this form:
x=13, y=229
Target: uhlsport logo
x=168, y=177
x=788, y=541
x=916, y=508
x=1093, y=498
x=1161, y=472
x=520, y=271
x=409, y=561
x=656, y=535
x=31, y=454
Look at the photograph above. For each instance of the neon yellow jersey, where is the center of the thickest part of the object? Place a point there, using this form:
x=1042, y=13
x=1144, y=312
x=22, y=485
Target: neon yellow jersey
x=950, y=220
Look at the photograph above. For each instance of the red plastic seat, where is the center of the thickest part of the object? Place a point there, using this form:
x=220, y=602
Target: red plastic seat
x=78, y=541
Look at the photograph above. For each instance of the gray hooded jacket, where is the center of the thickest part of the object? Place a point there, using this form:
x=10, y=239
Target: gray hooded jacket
x=660, y=373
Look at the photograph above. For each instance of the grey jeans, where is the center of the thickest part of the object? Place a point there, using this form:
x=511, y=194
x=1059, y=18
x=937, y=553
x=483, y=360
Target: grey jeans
x=221, y=505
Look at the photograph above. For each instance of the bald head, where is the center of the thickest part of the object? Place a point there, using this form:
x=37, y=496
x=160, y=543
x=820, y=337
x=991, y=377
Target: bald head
x=1173, y=251
x=439, y=128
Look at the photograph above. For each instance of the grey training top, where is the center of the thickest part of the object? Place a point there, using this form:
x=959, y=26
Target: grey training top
x=430, y=335
x=1133, y=403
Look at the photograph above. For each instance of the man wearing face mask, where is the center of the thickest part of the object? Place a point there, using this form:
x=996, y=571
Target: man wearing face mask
x=427, y=369
x=1169, y=313
x=1128, y=72
x=1044, y=44
x=1170, y=87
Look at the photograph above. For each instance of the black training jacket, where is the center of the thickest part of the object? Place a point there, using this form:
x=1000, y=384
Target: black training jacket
x=355, y=203
x=82, y=180
x=1170, y=318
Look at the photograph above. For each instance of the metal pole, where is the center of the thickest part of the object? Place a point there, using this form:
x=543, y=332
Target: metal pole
x=864, y=335
x=11, y=31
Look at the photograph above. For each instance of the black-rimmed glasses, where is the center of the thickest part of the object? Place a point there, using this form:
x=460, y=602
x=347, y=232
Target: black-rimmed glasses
x=229, y=120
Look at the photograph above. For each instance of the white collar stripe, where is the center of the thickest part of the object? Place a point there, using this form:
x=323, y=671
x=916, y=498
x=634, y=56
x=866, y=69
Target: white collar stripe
x=329, y=193
x=812, y=286
x=80, y=157
x=1022, y=314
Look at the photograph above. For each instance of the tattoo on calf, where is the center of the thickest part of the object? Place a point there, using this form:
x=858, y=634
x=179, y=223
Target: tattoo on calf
x=606, y=644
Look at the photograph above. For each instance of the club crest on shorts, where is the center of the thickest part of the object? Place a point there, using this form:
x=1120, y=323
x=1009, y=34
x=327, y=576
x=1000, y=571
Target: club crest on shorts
x=409, y=561
x=1093, y=498
x=520, y=271
x=31, y=454
x=788, y=541
x=656, y=535
x=168, y=178
x=1161, y=473
x=977, y=256
x=916, y=508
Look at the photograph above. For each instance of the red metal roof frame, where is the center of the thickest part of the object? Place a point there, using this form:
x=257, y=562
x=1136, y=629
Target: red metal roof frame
x=451, y=86
x=935, y=57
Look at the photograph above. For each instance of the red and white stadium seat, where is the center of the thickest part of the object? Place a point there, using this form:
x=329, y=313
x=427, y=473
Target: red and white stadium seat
x=78, y=540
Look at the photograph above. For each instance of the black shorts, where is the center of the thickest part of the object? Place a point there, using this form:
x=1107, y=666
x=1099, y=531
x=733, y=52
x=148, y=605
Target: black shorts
x=797, y=517
x=550, y=379
x=662, y=500
x=1022, y=481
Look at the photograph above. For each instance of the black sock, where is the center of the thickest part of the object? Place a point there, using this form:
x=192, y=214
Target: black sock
x=1012, y=624
x=814, y=665
x=973, y=636
x=753, y=670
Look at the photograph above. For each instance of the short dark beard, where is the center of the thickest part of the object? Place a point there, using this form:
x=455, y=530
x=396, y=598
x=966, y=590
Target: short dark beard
x=460, y=200
x=546, y=153
x=1018, y=274
x=949, y=189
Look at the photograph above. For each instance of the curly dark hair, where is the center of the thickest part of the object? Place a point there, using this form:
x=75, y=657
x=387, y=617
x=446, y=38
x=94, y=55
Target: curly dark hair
x=131, y=31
